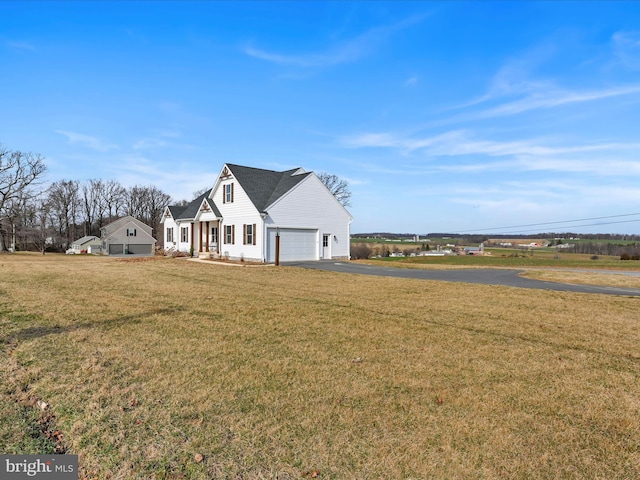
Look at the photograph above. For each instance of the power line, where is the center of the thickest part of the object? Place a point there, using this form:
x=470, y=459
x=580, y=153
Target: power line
x=560, y=222
x=576, y=226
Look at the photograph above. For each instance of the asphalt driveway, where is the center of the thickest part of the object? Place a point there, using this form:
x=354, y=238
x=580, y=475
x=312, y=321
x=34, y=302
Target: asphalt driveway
x=486, y=276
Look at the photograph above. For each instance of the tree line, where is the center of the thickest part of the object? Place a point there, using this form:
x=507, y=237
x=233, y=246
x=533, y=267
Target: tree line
x=35, y=217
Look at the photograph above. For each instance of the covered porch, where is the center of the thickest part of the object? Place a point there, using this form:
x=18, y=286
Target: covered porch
x=205, y=238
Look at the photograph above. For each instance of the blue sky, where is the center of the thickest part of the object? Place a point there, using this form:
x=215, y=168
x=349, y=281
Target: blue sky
x=443, y=116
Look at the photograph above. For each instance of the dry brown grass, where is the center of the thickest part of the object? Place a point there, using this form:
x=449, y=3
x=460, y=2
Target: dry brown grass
x=277, y=372
x=609, y=279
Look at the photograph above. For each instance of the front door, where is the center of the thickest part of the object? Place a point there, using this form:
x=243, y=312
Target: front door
x=214, y=239
x=326, y=245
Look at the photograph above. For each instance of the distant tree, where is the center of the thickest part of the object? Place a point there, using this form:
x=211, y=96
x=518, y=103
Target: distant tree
x=197, y=193
x=338, y=187
x=147, y=204
x=37, y=224
x=19, y=173
x=92, y=205
x=64, y=203
x=113, y=195
x=18, y=211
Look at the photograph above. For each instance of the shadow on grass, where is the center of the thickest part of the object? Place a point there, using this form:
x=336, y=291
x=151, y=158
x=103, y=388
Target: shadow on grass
x=38, y=331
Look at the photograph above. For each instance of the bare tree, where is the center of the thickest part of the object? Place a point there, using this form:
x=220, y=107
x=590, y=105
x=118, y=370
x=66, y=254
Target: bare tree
x=64, y=202
x=197, y=193
x=113, y=195
x=37, y=224
x=92, y=205
x=338, y=187
x=156, y=201
x=17, y=213
x=19, y=173
x=146, y=204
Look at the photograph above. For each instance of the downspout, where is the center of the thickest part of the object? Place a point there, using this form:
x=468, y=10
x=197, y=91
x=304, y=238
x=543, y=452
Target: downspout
x=192, y=233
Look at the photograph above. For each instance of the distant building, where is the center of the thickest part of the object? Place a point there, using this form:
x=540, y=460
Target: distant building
x=87, y=244
x=127, y=236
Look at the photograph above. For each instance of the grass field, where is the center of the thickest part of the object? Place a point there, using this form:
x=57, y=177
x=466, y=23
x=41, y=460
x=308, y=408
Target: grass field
x=506, y=258
x=279, y=372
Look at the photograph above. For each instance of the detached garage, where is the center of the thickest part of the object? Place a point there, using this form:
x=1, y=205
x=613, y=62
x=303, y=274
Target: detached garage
x=296, y=244
x=127, y=236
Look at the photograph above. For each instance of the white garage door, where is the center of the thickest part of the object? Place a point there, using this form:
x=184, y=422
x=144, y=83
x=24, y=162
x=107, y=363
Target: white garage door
x=295, y=244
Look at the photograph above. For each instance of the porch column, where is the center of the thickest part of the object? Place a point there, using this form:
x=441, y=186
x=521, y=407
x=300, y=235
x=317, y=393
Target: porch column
x=207, y=237
x=192, y=233
x=201, y=237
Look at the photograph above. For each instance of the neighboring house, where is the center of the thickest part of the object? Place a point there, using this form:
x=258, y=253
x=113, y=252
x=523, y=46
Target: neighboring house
x=247, y=208
x=88, y=244
x=127, y=236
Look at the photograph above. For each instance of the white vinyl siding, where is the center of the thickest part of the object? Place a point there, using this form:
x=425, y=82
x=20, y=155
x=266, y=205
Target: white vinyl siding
x=311, y=206
x=238, y=213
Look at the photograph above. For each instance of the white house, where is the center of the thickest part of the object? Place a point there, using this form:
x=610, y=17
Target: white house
x=247, y=208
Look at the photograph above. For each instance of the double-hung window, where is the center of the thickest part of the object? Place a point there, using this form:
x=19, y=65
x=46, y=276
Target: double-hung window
x=229, y=234
x=169, y=234
x=227, y=193
x=249, y=237
x=184, y=234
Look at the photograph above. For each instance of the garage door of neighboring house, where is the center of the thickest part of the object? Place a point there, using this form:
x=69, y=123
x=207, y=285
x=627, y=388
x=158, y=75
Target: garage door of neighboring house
x=140, y=249
x=295, y=244
x=116, y=249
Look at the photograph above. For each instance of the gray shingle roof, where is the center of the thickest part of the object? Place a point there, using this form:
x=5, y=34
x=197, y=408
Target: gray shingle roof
x=265, y=186
x=262, y=186
x=176, y=210
x=191, y=210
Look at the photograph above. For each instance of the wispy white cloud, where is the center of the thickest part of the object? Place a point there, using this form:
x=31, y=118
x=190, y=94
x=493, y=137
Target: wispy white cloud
x=407, y=144
x=176, y=179
x=149, y=143
x=20, y=45
x=516, y=89
x=462, y=142
x=551, y=99
x=626, y=47
x=343, y=52
x=410, y=82
x=469, y=154
x=88, y=141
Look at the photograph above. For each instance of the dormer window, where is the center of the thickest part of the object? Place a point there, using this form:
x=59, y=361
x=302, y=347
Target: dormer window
x=227, y=193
